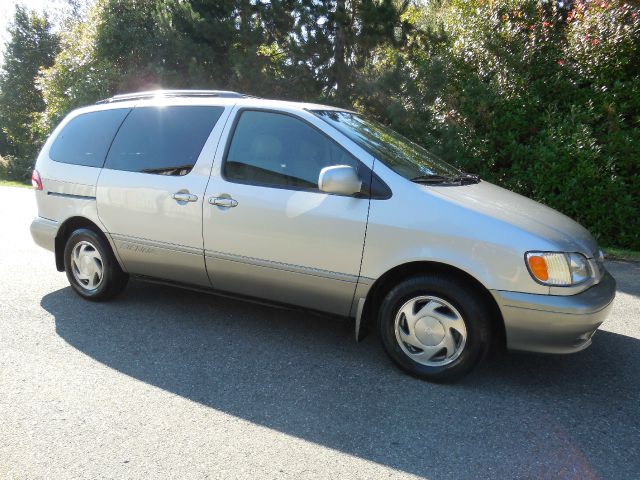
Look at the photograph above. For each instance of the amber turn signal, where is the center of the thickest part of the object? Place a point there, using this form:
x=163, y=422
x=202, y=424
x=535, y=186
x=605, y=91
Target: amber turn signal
x=538, y=267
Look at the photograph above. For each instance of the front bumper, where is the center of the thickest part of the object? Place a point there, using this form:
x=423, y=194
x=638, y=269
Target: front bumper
x=555, y=323
x=44, y=232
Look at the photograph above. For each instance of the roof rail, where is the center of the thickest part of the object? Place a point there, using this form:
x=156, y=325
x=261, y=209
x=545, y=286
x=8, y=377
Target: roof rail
x=171, y=93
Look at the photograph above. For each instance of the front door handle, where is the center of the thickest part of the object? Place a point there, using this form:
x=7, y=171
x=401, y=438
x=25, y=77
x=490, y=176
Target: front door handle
x=184, y=197
x=226, y=202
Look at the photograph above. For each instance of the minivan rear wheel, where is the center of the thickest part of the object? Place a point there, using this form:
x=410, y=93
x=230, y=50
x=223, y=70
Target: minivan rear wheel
x=91, y=267
x=435, y=327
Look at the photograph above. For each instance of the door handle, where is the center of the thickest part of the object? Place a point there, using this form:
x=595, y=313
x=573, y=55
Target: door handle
x=184, y=197
x=226, y=202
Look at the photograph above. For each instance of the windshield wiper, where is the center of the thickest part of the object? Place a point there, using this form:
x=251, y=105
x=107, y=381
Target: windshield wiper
x=431, y=178
x=434, y=179
x=467, y=178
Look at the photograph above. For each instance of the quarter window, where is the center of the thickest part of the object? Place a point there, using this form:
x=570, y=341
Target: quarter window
x=86, y=138
x=162, y=140
x=278, y=150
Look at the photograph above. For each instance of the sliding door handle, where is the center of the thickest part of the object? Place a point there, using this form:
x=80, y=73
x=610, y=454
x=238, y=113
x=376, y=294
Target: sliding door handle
x=184, y=197
x=226, y=202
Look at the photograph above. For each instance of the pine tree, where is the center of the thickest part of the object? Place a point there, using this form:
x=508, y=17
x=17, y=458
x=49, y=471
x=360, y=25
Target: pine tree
x=31, y=46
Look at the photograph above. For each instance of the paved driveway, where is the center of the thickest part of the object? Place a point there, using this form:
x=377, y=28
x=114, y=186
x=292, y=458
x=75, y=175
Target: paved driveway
x=168, y=383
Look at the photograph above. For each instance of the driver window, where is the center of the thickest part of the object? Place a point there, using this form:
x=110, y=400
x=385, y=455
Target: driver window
x=278, y=150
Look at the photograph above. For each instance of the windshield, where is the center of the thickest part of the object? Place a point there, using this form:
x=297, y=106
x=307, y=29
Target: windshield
x=398, y=153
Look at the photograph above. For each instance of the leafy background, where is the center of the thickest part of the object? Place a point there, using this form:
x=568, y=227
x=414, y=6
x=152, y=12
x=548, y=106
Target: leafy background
x=541, y=97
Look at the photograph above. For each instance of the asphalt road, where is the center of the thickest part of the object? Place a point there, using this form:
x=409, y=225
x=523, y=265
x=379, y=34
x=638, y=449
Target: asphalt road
x=169, y=383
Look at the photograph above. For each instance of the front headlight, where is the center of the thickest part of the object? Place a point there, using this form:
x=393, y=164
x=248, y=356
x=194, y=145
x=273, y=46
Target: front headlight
x=558, y=269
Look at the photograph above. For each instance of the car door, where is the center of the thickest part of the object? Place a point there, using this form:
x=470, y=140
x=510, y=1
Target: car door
x=151, y=189
x=268, y=230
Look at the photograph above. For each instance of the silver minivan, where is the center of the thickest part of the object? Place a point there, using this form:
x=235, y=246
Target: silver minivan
x=319, y=208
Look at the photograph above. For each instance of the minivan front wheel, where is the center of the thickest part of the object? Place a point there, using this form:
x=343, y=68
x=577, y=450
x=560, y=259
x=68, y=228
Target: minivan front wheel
x=91, y=267
x=435, y=327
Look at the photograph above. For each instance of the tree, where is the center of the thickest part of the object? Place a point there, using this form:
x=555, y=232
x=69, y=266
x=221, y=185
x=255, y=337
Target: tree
x=357, y=30
x=31, y=47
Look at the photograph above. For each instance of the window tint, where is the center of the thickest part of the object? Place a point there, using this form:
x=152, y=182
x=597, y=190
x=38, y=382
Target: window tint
x=85, y=140
x=278, y=150
x=162, y=140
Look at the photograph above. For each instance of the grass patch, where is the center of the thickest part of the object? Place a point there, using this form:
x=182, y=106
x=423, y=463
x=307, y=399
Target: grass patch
x=613, y=253
x=13, y=183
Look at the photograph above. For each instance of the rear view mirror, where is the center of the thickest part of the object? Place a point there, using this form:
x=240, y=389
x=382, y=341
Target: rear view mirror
x=340, y=179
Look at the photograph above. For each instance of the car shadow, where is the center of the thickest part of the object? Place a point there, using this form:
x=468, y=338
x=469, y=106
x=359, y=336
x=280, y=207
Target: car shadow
x=304, y=375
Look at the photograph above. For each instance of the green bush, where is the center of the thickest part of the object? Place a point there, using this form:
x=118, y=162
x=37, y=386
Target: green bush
x=17, y=169
x=542, y=101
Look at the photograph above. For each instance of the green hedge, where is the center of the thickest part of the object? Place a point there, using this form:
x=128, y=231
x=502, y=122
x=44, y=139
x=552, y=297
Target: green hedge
x=540, y=100
x=16, y=169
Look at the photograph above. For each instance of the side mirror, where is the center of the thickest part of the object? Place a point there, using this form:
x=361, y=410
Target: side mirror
x=340, y=179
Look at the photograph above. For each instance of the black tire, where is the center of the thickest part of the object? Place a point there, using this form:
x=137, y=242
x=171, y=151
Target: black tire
x=467, y=301
x=113, y=279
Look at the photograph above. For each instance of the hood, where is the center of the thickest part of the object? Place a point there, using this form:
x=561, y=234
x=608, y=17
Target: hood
x=522, y=212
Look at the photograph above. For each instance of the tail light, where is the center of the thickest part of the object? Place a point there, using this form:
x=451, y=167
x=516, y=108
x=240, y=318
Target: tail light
x=36, y=181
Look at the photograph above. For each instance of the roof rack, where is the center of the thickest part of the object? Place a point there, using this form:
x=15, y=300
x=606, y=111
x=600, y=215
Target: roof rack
x=171, y=93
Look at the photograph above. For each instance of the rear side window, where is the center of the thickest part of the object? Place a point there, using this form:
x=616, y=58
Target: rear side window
x=162, y=140
x=85, y=140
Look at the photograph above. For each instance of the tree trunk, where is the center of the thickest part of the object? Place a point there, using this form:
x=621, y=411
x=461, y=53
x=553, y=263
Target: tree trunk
x=339, y=62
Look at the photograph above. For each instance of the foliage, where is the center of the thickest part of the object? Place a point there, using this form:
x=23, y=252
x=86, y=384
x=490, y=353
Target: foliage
x=541, y=99
x=15, y=168
x=279, y=49
x=549, y=106
x=32, y=46
x=78, y=77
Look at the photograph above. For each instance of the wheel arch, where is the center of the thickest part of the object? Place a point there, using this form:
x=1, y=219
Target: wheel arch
x=389, y=279
x=70, y=225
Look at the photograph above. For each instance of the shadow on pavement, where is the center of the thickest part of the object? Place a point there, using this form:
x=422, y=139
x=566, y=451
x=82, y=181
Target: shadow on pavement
x=518, y=416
